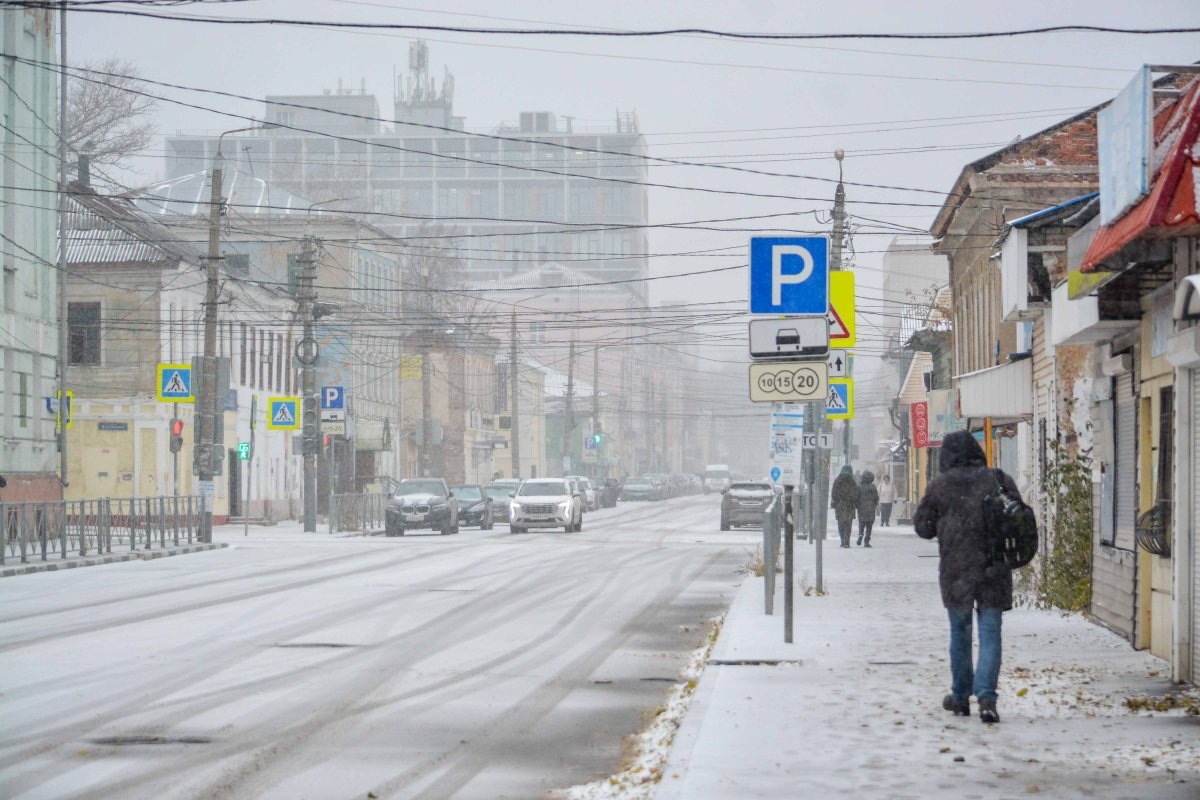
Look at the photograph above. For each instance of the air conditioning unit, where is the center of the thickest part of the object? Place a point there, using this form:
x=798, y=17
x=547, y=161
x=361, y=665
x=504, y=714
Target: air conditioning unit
x=505, y=423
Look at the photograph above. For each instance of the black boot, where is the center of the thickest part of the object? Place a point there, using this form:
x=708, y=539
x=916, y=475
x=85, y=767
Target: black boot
x=987, y=712
x=860, y=540
x=961, y=708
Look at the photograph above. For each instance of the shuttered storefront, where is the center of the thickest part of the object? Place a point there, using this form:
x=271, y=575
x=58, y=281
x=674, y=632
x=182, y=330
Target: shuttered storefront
x=1125, y=451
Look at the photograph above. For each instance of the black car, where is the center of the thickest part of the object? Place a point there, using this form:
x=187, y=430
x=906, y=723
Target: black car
x=422, y=504
x=642, y=488
x=475, y=507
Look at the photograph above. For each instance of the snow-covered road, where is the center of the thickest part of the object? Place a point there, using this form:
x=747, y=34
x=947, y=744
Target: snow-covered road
x=305, y=666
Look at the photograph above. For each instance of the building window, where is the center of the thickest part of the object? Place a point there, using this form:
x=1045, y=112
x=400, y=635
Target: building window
x=83, y=333
x=537, y=333
x=23, y=399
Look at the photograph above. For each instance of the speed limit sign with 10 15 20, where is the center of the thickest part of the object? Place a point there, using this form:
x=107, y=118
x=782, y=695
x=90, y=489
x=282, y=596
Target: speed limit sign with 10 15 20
x=789, y=381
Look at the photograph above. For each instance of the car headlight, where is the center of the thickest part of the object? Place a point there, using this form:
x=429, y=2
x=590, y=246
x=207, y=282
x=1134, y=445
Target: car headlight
x=564, y=505
x=514, y=505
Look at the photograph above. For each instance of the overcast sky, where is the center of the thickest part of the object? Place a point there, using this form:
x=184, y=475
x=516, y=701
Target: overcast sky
x=782, y=106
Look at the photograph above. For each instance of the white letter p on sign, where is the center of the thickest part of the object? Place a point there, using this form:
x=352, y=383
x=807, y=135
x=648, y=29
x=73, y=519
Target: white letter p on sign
x=778, y=278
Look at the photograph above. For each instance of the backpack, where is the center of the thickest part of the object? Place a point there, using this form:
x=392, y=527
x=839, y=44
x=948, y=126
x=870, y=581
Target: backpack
x=1010, y=527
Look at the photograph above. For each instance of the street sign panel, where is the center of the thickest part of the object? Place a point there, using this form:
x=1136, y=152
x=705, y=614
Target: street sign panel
x=839, y=365
x=842, y=325
x=283, y=413
x=839, y=403
x=789, y=274
x=410, y=368
x=333, y=427
x=333, y=404
x=788, y=382
x=789, y=337
x=818, y=441
x=174, y=384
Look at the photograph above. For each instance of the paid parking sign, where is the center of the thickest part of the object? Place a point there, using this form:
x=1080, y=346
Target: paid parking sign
x=789, y=275
x=283, y=413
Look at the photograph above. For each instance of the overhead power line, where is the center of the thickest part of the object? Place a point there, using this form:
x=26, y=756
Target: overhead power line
x=618, y=34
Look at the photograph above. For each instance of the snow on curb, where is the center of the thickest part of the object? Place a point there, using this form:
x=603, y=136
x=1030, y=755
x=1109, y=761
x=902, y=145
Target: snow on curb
x=652, y=746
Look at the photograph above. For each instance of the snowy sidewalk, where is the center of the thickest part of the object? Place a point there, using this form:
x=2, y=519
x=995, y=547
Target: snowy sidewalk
x=855, y=705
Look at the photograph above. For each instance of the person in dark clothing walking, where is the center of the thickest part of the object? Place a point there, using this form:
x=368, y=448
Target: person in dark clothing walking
x=868, y=500
x=952, y=512
x=843, y=499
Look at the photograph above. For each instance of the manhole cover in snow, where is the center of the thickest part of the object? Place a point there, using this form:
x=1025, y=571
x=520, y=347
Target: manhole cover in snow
x=133, y=740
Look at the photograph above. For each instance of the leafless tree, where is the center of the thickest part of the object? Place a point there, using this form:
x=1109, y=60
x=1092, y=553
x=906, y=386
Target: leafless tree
x=104, y=117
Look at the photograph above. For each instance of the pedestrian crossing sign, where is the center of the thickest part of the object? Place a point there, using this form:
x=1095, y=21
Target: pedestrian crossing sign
x=174, y=384
x=283, y=413
x=840, y=402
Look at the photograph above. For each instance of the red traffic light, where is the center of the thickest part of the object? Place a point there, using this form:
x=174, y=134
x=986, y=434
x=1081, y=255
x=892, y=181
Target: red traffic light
x=177, y=427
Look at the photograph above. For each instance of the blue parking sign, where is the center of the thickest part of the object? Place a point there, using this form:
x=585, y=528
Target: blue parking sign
x=789, y=275
x=333, y=397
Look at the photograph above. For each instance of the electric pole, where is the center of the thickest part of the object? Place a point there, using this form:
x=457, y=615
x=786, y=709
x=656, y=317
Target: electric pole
x=568, y=410
x=209, y=404
x=596, y=405
x=819, y=494
x=307, y=352
x=515, y=390
x=64, y=332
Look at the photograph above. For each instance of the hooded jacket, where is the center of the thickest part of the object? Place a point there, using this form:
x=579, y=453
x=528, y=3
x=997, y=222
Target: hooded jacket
x=952, y=512
x=843, y=498
x=868, y=497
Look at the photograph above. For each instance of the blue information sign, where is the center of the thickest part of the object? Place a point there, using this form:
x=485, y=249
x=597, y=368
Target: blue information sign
x=789, y=275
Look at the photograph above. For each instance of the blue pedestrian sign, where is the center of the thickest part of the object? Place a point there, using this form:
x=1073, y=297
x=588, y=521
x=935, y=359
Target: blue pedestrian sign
x=789, y=275
x=333, y=397
x=174, y=384
x=283, y=413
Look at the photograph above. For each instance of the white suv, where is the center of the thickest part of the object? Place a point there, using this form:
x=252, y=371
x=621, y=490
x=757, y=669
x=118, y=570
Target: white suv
x=545, y=503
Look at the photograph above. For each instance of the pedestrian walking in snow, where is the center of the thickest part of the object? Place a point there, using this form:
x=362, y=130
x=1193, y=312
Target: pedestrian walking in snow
x=952, y=512
x=868, y=500
x=887, y=496
x=843, y=499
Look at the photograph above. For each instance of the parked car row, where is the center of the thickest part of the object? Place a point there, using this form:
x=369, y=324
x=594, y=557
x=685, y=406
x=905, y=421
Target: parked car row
x=661, y=486
x=432, y=504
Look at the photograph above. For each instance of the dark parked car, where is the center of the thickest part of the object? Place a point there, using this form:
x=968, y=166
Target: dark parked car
x=610, y=492
x=422, y=504
x=501, y=493
x=642, y=488
x=744, y=502
x=475, y=507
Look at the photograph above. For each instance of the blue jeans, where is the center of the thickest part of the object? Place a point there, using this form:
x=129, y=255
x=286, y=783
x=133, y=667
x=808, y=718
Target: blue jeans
x=979, y=680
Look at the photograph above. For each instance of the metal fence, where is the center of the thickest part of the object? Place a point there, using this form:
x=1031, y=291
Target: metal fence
x=357, y=512
x=64, y=528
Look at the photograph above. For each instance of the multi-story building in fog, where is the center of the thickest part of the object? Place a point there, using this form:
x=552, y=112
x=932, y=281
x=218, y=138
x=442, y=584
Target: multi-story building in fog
x=28, y=250
x=542, y=189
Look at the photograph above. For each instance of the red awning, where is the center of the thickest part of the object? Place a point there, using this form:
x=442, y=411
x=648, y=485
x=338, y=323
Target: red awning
x=1170, y=208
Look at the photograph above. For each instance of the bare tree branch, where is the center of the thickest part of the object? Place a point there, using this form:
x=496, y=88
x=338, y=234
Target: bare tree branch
x=107, y=120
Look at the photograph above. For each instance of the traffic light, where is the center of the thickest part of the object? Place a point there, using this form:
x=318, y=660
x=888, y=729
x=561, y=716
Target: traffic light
x=176, y=435
x=597, y=438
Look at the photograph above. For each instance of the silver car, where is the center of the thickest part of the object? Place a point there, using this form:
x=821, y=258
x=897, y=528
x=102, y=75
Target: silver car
x=546, y=503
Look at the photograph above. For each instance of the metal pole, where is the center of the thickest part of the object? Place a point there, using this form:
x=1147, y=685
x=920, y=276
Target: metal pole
x=788, y=596
x=61, y=278
x=308, y=361
x=514, y=387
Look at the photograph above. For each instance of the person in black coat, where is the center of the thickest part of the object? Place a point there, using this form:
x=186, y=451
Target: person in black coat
x=868, y=502
x=843, y=499
x=952, y=512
